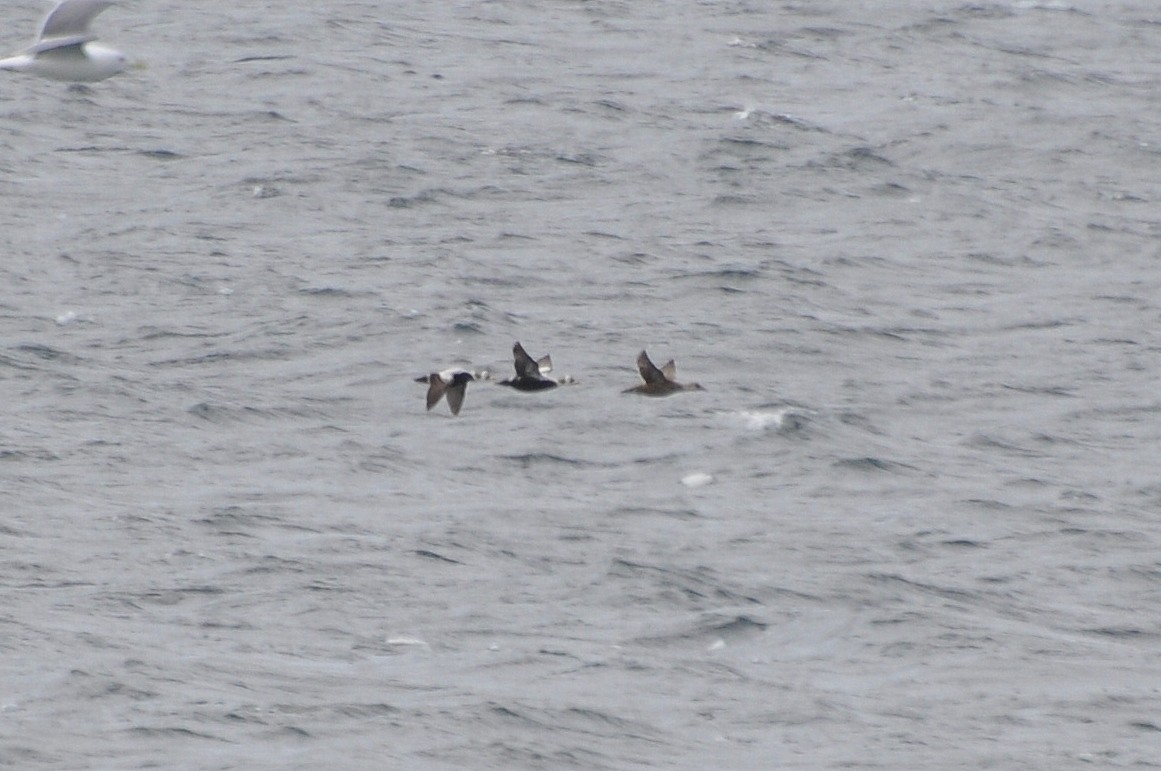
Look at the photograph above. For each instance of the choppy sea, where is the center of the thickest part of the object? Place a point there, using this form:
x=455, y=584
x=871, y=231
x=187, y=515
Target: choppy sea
x=912, y=251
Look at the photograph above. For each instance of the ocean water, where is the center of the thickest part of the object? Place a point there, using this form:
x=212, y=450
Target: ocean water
x=911, y=250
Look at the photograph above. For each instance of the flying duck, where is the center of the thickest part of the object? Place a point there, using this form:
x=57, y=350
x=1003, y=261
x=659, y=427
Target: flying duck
x=529, y=372
x=451, y=382
x=659, y=382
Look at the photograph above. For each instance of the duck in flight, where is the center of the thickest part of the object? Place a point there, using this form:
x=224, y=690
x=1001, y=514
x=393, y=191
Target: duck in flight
x=530, y=372
x=659, y=382
x=65, y=49
x=452, y=383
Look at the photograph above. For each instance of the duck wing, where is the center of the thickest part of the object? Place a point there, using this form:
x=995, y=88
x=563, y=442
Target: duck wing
x=649, y=372
x=526, y=366
x=435, y=389
x=455, y=395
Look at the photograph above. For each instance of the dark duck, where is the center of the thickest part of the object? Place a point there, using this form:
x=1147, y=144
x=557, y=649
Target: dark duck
x=530, y=372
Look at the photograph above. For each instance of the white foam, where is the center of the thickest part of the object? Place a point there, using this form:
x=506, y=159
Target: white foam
x=760, y=420
x=697, y=479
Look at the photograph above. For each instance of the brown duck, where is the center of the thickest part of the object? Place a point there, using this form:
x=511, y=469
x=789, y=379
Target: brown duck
x=659, y=382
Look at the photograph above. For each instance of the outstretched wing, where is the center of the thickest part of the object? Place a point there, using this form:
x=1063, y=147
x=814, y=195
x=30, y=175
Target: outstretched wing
x=526, y=366
x=669, y=369
x=435, y=389
x=455, y=396
x=649, y=372
x=71, y=18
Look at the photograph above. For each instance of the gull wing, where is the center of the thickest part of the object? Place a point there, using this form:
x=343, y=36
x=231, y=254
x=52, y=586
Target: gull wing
x=61, y=46
x=71, y=18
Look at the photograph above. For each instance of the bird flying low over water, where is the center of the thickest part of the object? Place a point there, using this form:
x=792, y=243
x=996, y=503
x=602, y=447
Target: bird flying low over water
x=65, y=49
x=530, y=372
x=659, y=382
x=452, y=383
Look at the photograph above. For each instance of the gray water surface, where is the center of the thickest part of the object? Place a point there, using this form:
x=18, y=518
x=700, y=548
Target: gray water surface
x=911, y=250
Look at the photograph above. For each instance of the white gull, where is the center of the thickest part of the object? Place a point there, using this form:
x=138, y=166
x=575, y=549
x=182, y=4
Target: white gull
x=65, y=49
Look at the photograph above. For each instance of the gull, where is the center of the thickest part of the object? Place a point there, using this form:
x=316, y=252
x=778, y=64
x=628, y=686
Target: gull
x=65, y=49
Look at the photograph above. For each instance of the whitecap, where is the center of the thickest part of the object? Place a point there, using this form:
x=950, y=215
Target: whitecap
x=760, y=420
x=697, y=479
